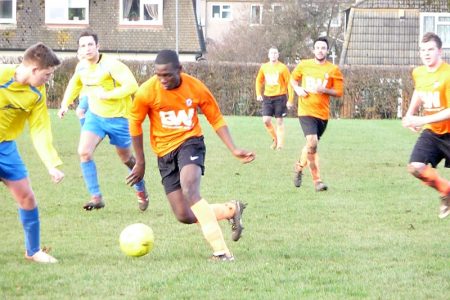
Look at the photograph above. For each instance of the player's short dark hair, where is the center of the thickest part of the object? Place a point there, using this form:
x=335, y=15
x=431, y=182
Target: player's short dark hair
x=88, y=32
x=41, y=55
x=321, y=39
x=167, y=56
x=431, y=36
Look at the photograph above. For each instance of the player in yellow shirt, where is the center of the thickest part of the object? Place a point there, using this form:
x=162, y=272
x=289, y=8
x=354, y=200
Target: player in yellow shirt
x=108, y=85
x=432, y=94
x=314, y=81
x=272, y=88
x=23, y=99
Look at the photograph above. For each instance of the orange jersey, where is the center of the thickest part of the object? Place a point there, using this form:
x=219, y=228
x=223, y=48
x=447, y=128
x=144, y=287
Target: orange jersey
x=310, y=75
x=434, y=91
x=173, y=113
x=274, y=78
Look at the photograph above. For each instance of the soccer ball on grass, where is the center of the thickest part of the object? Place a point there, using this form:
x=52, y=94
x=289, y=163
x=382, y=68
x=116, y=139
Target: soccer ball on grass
x=136, y=240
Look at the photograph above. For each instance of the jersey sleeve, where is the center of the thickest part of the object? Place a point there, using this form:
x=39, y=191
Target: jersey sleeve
x=210, y=108
x=72, y=91
x=338, y=81
x=139, y=110
x=259, y=81
x=41, y=134
x=127, y=84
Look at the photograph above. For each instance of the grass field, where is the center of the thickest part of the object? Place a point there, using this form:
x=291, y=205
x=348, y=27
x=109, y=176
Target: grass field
x=374, y=234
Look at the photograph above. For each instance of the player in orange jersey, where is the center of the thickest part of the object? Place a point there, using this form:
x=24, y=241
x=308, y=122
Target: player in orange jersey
x=432, y=93
x=314, y=81
x=171, y=99
x=273, y=78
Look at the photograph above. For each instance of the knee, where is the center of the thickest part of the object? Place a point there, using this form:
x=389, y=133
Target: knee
x=27, y=200
x=186, y=218
x=415, y=169
x=84, y=155
x=312, y=149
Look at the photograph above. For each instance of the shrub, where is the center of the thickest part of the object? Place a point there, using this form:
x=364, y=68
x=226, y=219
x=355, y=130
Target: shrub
x=369, y=92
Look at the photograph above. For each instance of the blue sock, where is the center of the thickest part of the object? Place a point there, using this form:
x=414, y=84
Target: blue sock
x=140, y=186
x=82, y=121
x=31, y=228
x=89, y=171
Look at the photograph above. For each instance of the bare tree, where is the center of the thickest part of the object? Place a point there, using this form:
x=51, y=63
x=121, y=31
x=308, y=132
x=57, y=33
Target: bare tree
x=292, y=30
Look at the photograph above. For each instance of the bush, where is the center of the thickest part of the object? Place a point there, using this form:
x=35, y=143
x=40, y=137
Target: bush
x=369, y=92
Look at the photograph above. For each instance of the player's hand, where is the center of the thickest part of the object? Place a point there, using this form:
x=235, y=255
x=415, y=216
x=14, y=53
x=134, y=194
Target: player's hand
x=301, y=92
x=57, y=175
x=136, y=174
x=62, y=111
x=259, y=98
x=244, y=156
x=412, y=121
x=289, y=105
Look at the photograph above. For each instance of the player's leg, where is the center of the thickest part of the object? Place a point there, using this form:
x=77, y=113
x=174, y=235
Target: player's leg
x=119, y=135
x=267, y=113
x=190, y=176
x=82, y=107
x=91, y=135
x=427, y=151
x=279, y=113
x=15, y=176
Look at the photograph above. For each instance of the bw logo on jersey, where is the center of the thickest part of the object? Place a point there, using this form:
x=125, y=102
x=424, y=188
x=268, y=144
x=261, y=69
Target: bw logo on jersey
x=177, y=119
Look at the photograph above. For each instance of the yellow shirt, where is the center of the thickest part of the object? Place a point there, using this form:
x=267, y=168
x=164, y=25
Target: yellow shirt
x=109, y=75
x=434, y=90
x=20, y=103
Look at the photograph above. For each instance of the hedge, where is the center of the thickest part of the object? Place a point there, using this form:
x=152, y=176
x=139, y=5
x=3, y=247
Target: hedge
x=369, y=92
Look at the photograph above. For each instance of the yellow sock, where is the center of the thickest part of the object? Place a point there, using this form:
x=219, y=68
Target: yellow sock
x=280, y=136
x=303, y=157
x=223, y=211
x=271, y=131
x=210, y=227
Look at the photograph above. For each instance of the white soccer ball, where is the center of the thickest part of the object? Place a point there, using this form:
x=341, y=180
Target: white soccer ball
x=136, y=240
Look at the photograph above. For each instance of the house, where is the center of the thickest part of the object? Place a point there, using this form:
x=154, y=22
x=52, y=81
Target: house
x=130, y=29
x=387, y=32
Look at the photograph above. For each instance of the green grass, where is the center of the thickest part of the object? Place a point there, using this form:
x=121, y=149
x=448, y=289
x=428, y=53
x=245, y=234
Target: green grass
x=374, y=235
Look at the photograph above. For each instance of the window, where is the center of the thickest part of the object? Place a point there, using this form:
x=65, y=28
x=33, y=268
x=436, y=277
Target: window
x=438, y=23
x=256, y=14
x=277, y=13
x=141, y=12
x=66, y=11
x=221, y=12
x=7, y=11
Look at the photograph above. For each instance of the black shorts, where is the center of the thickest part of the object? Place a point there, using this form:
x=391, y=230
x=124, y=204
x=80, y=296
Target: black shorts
x=432, y=148
x=274, y=106
x=313, y=125
x=192, y=151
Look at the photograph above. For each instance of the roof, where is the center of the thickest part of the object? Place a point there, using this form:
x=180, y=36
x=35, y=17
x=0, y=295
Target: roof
x=384, y=32
x=422, y=5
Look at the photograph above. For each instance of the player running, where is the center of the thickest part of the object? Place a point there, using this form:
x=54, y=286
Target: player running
x=23, y=98
x=171, y=99
x=432, y=93
x=314, y=81
x=272, y=88
x=108, y=84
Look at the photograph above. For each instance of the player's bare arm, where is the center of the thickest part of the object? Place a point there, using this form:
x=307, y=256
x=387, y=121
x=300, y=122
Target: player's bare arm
x=243, y=155
x=138, y=171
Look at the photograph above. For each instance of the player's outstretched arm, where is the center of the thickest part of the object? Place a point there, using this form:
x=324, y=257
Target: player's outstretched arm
x=138, y=171
x=244, y=156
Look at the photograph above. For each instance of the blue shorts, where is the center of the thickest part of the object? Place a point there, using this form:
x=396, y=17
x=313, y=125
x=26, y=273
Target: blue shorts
x=11, y=164
x=116, y=129
x=83, y=103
